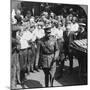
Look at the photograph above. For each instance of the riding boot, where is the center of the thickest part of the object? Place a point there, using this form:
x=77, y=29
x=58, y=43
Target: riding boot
x=71, y=64
x=51, y=80
x=36, y=68
x=32, y=68
x=46, y=80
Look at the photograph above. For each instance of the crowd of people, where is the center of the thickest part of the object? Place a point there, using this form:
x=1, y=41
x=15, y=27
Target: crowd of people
x=44, y=38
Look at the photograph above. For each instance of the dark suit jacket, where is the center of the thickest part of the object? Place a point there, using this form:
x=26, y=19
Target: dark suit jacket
x=82, y=35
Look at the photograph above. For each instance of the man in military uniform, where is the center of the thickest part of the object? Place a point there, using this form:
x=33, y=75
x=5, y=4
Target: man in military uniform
x=49, y=53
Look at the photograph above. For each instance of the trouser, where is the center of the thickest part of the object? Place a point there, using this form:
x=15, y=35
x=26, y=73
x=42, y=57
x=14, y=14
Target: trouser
x=82, y=58
x=71, y=62
x=31, y=58
x=61, y=49
x=23, y=63
x=50, y=75
x=37, y=59
x=15, y=69
x=47, y=75
x=61, y=56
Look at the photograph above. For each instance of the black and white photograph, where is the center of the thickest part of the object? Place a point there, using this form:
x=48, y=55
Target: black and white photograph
x=49, y=44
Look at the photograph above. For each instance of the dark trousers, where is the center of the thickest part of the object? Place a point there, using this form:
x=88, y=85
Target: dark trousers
x=82, y=59
x=23, y=63
x=49, y=75
x=37, y=58
x=15, y=69
x=31, y=58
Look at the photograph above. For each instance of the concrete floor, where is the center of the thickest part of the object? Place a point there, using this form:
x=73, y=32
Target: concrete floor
x=36, y=79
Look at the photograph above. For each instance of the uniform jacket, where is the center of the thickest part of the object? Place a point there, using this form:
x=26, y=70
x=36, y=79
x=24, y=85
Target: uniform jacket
x=48, y=49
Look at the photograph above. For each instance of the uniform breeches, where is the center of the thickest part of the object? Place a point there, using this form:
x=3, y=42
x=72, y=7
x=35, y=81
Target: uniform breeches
x=49, y=71
x=49, y=74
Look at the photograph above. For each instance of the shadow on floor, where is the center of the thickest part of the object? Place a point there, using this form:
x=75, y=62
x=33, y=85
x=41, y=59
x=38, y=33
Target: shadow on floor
x=67, y=79
x=32, y=84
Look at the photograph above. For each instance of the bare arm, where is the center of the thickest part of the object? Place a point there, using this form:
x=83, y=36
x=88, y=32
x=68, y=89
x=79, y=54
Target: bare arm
x=37, y=53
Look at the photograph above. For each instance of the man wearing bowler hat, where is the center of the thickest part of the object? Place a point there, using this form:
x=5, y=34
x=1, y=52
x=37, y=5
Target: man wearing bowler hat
x=48, y=53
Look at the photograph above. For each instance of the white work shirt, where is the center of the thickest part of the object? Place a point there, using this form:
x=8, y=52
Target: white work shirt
x=57, y=33
x=27, y=35
x=74, y=27
x=63, y=28
x=60, y=35
x=40, y=33
x=24, y=39
x=34, y=35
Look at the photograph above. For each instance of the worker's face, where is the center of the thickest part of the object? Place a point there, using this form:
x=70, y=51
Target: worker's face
x=59, y=24
x=47, y=24
x=32, y=29
x=47, y=34
x=46, y=15
x=28, y=15
x=74, y=19
x=70, y=17
x=39, y=27
x=18, y=12
x=59, y=18
x=68, y=27
x=52, y=15
x=43, y=16
x=32, y=22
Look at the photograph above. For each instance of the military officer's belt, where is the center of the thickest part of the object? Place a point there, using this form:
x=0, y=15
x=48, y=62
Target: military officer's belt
x=48, y=53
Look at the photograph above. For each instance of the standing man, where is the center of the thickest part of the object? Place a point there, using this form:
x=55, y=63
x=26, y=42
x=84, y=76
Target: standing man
x=24, y=37
x=32, y=53
x=26, y=54
x=39, y=34
x=48, y=53
x=75, y=25
x=28, y=16
x=19, y=17
x=15, y=68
